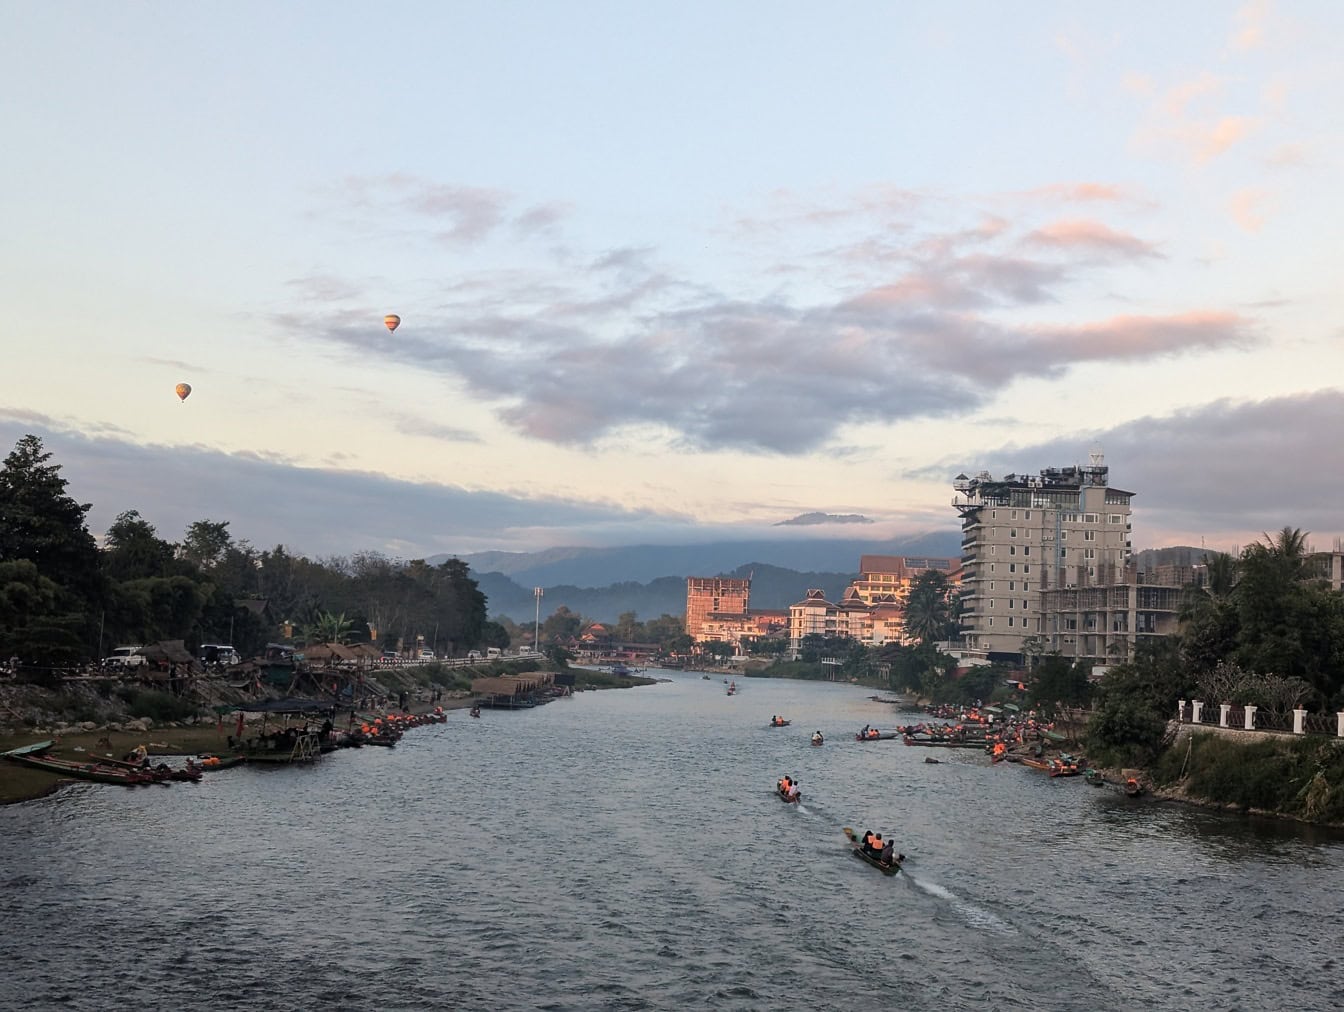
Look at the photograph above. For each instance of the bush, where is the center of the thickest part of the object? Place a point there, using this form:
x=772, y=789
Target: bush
x=159, y=707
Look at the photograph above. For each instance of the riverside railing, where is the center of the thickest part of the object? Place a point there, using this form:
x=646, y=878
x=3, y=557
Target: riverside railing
x=1250, y=718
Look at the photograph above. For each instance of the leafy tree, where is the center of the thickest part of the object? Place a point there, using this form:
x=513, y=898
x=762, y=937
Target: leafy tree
x=205, y=542
x=27, y=598
x=1059, y=681
x=562, y=625
x=41, y=523
x=927, y=612
x=132, y=549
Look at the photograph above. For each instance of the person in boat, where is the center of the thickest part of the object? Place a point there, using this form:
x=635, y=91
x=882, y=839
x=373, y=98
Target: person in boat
x=816, y=737
x=793, y=790
x=868, y=842
x=888, y=852
x=784, y=783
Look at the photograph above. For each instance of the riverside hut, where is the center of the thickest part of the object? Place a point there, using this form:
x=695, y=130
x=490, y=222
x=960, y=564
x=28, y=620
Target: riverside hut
x=512, y=692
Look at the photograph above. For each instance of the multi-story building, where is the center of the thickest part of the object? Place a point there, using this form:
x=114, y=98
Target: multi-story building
x=1045, y=562
x=714, y=595
x=887, y=579
x=758, y=623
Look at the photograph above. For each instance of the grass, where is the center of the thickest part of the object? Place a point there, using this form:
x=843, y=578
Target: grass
x=1302, y=778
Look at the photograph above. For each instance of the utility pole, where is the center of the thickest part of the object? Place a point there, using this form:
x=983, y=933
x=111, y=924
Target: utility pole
x=536, y=628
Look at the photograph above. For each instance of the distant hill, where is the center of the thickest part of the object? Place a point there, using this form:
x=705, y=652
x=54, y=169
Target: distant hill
x=771, y=587
x=602, y=567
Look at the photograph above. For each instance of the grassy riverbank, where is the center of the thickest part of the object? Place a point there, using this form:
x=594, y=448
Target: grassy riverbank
x=1288, y=777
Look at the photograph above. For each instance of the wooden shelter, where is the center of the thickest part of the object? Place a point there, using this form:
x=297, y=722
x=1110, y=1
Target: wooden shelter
x=510, y=691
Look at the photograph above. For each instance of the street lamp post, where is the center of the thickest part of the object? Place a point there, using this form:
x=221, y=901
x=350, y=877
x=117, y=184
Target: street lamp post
x=536, y=628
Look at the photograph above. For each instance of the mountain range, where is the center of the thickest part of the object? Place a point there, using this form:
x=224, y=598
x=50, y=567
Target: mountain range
x=650, y=580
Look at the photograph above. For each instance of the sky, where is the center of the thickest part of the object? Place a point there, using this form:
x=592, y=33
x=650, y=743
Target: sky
x=671, y=272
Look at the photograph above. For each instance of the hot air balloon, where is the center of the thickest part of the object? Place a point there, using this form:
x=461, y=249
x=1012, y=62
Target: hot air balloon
x=183, y=391
x=392, y=321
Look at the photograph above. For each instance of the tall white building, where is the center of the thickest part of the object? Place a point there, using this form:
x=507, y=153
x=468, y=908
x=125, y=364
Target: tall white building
x=1029, y=545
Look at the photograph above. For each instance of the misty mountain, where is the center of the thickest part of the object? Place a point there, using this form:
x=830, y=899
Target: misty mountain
x=771, y=587
x=644, y=564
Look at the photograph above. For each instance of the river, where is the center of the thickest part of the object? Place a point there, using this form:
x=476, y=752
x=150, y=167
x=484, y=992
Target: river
x=624, y=850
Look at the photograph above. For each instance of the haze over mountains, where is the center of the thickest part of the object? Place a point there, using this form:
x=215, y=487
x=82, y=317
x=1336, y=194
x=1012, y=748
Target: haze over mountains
x=650, y=580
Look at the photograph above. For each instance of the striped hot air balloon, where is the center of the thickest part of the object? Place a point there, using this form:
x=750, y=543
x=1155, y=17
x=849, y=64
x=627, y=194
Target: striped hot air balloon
x=392, y=321
x=183, y=391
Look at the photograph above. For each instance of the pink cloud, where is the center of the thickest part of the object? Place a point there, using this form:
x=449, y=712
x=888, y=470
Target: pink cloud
x=1088, y=234
x=1130, y=336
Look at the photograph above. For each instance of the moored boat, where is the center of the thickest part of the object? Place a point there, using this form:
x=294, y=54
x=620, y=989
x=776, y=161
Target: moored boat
x=95, y=771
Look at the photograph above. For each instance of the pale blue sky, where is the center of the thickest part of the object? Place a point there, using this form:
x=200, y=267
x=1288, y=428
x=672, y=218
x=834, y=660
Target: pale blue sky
x=670, y=271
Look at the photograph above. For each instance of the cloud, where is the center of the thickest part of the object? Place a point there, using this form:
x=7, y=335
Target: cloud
x=1250, y=26
x=1090, y=235
x=1182, y=117
x=450, y=213
x=316, y=511
x=1226, y=471
x=619, y=344
x=1248, y=209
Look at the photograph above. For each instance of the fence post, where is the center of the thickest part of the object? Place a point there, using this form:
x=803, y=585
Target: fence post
x=1198, y=706
x=1339, y=733
x=1222, y=716
x=1299, y=718
x=1180, y=711
x=1250, y=716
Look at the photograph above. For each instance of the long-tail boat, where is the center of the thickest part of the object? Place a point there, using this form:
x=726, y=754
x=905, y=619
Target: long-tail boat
x=884, y=867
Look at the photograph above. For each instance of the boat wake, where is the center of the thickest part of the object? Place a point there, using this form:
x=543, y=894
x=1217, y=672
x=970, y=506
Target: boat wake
x=975, y=916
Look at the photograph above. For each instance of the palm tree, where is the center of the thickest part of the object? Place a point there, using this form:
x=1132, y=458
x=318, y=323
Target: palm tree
x=927, y=615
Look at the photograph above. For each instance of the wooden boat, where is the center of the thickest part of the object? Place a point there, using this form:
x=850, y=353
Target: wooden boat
x=880, y=736
x=863, y=855
x=210, y=763
x=1036, y=764
x=789, y=800
x=94, y=771
x=1133, y=788
x=818, y=741
x=779, y=723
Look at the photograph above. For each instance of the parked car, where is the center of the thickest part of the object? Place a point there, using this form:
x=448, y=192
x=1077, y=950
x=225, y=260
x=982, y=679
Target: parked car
x=493, y=652
x=218, y=653
x=473, y=655
x=426, y=655
x=125, y=657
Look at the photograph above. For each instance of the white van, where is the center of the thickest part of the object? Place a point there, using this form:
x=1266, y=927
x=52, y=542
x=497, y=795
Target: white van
x=473, y=655
x=493, y=652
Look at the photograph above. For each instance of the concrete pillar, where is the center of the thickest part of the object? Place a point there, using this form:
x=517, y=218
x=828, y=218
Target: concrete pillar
x=1222, y=715
x=1299, y=717
x=1180, y=711
x=1250, y=717
x=1198, y=706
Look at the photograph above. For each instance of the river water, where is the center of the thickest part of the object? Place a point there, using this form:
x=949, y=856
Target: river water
x=624, y=850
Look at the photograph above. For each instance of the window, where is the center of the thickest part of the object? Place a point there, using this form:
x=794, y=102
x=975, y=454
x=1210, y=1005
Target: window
x=991, y=602
x=1010, y=602
x=991, y=584
x=993, y=549
x=1089, y=518
x=1014, y=514
x=1026, y=514
x=1063, y=535
x=1011, y=585
x=991, y=621
x=1089, y=535
x=1026, y=568
x=1010, y=620
x=1089, y=553
x=1012, y=567
x=1026, y=586
x=1012, y=549
x=1117, y=518
x=1026, y=549
x=1024, y=605
x=993, y=514
x=1012, y=532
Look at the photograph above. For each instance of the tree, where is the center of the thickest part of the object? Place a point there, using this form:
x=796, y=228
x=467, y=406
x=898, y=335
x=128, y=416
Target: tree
x=41, y=523
x=205, y=542
x=133, y=550
x=927, y=614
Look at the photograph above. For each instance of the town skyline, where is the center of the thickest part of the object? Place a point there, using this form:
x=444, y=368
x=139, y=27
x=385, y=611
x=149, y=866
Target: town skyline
x=658, y=285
